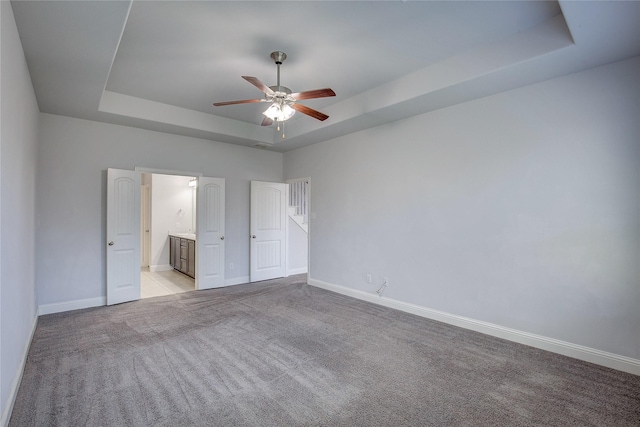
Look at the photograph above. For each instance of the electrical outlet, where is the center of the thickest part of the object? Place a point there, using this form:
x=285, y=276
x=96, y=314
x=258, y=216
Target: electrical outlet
x=369, y=279
x=230, y=266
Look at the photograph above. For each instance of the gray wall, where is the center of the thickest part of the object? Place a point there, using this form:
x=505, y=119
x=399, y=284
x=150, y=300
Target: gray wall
x=18, y=145
x=73, y=157
x=519, y=209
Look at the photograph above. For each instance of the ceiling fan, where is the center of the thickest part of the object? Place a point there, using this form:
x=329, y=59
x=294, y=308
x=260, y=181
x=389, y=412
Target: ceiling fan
x=283, y=102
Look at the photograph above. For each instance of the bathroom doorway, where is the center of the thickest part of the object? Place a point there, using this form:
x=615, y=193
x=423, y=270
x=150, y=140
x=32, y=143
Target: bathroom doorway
x=125, y=237
x=168, y=207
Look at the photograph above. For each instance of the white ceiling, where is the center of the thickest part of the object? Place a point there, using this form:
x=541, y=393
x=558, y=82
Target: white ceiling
x=160, y=65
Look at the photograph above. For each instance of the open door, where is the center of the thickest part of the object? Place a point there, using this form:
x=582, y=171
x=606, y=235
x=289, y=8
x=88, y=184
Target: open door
x=268, y=230
x=210, y=233
x=123, y=236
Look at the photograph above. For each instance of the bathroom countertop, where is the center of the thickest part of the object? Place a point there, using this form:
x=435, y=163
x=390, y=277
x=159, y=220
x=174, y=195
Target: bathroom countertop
x=190, y=236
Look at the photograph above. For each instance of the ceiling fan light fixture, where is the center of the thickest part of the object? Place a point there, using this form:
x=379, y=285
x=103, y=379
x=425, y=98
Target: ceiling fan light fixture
x=279, y=112
x=282, y=99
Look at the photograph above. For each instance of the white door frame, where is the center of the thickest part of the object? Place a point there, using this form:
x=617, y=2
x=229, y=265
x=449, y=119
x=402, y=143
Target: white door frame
x=163, y=172
x=200, y=284
x=311, y=215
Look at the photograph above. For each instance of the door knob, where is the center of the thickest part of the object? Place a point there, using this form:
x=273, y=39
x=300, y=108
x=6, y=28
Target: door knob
x=221, y=237
x=111, y=243
x=253, y=236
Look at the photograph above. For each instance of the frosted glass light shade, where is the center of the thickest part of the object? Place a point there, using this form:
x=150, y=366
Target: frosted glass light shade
x=279, y=112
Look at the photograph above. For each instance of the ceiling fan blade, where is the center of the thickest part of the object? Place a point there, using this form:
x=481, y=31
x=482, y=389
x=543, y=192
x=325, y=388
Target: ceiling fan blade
x=310, y=94
x=309, y=111
x=242, y=101
x=266, y=122
x=257, y=83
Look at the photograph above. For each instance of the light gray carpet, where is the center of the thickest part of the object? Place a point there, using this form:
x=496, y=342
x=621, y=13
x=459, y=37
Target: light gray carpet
x=283, y=353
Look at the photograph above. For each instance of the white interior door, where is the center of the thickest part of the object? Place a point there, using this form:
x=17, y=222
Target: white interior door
x=145, y=222
x=123, y=236
x=210, y=233
x=268, y=230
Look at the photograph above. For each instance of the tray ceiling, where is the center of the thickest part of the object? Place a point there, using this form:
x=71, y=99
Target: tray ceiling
x=161, y=65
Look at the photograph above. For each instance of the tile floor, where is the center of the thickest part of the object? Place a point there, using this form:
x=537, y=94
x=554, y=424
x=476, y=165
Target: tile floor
x=163, y=283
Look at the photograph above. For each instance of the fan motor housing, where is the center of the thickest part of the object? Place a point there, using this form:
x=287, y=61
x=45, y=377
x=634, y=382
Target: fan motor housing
x=282, y=89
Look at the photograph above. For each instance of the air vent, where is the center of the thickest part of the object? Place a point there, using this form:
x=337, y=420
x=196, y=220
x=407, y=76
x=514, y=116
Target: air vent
x=262, y=146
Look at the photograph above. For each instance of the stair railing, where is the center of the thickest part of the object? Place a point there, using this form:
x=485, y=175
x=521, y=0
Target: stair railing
x=299, y=197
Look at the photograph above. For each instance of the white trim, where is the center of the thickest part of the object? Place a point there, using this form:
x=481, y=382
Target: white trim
x=292, y=180
x=166, y=172
x=155, y=268
x=17, y=379
x=599, y=357
x=237, y=281
x=309, y=228
x=286, y=230
x=301, y=270
x=60, y=307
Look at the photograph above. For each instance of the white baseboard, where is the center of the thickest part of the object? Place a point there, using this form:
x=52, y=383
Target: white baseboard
x=163, y=267
x=599, y=357
x=100, y=301
x=294, y=271
x=17, y=378
x=71, y=305
x=236, y=281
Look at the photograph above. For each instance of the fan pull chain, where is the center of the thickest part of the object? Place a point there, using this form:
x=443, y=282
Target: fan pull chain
x=278, y=128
